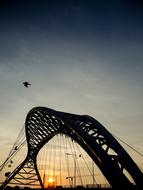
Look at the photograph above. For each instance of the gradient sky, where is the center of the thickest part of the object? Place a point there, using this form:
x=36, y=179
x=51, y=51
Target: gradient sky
x=81, y=56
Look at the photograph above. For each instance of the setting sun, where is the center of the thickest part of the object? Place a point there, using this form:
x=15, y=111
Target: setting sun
x=50, y=180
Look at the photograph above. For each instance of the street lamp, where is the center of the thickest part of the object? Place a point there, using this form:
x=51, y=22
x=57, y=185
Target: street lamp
x=75, y=166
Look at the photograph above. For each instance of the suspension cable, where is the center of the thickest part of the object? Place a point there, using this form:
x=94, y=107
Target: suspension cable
x=11, y=156
x=78, y=168
x=60, y=159
x=20, y=141
x=128, y=145
x=67, y=162
x=85, y=162
x=54, y=160
x=90, y=171
x=50, y=156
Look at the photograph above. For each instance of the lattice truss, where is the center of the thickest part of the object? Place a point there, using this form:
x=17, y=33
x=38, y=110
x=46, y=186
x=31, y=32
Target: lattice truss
x=42, y=124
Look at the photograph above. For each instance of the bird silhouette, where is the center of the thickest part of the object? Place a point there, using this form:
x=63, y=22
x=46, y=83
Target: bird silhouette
x=26, y=84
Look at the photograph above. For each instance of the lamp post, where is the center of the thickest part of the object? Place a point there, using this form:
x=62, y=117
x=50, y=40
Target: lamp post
x=75, y=166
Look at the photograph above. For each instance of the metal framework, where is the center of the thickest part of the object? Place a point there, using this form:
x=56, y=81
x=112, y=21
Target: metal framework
x=42, y=124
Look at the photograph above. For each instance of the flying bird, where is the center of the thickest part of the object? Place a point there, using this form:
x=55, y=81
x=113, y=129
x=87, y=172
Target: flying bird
x=26, y=84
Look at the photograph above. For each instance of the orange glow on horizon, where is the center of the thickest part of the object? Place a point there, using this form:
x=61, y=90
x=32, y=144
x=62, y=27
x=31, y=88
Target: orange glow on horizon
x=51, y=182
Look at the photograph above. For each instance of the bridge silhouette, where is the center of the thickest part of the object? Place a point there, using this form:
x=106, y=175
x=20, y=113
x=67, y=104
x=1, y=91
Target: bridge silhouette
x=43, y=124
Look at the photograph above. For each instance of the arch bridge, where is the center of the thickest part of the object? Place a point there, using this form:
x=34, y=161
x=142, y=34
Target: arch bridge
x=42, y=124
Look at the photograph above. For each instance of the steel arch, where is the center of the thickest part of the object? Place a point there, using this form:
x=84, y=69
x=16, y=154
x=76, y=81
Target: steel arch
x=43, y=123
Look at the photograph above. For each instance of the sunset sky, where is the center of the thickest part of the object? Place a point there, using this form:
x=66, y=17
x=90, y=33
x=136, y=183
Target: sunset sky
x=81, y=56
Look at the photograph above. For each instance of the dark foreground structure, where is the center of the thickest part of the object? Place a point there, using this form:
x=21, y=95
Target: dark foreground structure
x=62, y=188
x=42, y=124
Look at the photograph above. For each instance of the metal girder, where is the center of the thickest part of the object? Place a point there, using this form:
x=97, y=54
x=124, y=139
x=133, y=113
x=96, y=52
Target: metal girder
x=42, y=124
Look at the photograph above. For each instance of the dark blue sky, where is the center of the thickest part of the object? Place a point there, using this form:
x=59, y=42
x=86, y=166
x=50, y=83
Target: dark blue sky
x=102, y=26
x=105, y=19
